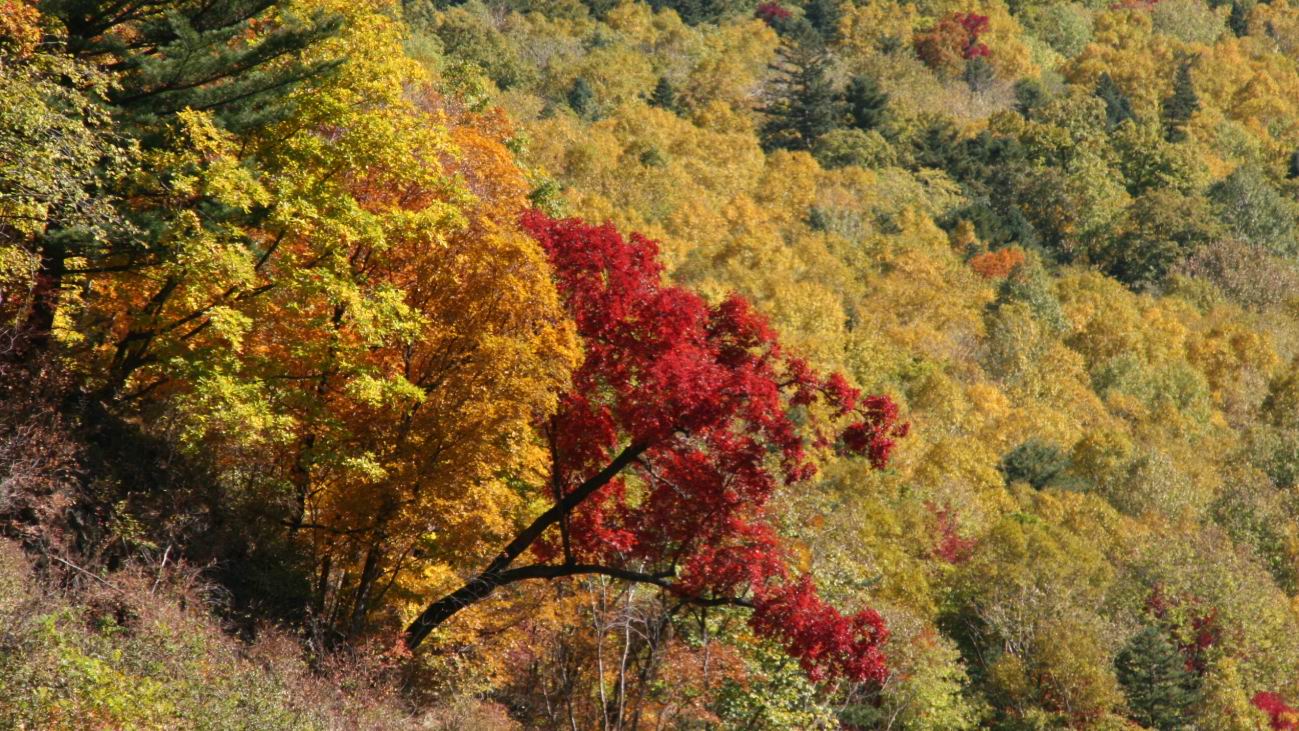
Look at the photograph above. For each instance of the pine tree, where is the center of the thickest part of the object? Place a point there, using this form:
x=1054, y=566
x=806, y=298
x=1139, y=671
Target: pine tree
x=978, y=74
x=1117, y=107
x=235, y=60
x=1238, y=20
x=824, y=16
x=170, y=55
x=1181, y=105
x=805, y=105
x=664, y=96
x=1159, y=688
x=1029, y=95
x=1036, y=462
x=581, y=97
x=867, y=102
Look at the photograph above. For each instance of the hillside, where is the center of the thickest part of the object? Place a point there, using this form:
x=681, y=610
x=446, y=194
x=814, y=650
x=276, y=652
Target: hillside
x=693, y=364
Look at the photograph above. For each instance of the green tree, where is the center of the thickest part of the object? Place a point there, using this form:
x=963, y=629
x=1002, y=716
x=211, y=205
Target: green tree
x=581, y=97
x=1065, y=27
x=824, y=16
x=1117, y=107
x=236, y=61
x=979, y=75
x=1254, y=210
x=1160, y=229
x=1040, y=464
x=1238, y=19
x=867, y=102
x=1159, y=688
x=58, y=155
x=803, y=104
x=1181, y=104
x=664, y=96
x=1029, y=95
x=213, y=57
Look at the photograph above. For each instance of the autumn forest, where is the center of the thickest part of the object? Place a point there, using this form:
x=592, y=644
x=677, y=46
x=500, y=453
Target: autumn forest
x=746, y=365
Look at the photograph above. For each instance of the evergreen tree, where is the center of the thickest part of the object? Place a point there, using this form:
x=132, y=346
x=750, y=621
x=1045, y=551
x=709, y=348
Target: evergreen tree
x=176, y=54
x=694, y=12
x=867, y=102
x=1238, y=20
x=1036, y=462
x=1159, y=688
x=979, y=74
x=664, y=96
x=1029, y=95
x=581, y=97
x=824, y=16
x=804, y=104
x=234, y=59
x=1117, y=107
x=1180, y=105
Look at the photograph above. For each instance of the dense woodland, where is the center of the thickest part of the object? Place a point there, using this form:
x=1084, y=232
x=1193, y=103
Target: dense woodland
x=691, y=364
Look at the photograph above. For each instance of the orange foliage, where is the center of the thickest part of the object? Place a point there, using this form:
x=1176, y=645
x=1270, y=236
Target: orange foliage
x=19, y=27
x=997, y=264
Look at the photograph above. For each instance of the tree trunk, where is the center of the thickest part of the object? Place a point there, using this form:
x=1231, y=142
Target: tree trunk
x=495, y=575
x=46, y=292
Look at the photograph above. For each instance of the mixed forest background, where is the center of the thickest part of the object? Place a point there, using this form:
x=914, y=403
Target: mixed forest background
x=690, y=364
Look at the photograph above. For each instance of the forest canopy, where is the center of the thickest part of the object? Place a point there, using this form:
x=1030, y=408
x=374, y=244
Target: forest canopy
x=685, y=364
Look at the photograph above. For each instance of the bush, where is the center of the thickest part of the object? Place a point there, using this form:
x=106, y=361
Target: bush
x=1066, y=28
x=136, y=650
x=845, y=147
x=1036, y=462
x=1255, y=211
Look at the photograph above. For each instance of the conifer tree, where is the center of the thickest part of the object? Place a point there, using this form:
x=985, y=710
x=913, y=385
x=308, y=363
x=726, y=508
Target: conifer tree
x=1238, y=19
x=1159, y=688
x=1180, y=105
x=235, y=59
x=804, y=104
x=978, y=74
x=1029, y=95
x=824, y=16
x=664, y=96
x=1117, y=107
x=867, y=102
x=1040, y=464
x=581, y=97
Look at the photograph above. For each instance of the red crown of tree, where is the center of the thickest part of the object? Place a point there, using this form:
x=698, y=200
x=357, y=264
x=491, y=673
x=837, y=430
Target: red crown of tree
x=704, y=395
x=682, y=421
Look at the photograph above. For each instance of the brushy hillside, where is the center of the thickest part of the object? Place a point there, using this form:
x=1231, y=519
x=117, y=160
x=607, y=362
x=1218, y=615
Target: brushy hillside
x=938, y=368
x=141, y=652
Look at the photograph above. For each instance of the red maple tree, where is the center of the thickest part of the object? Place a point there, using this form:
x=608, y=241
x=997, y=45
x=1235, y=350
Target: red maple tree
x=952, y=41
x=772, y=13
x=1193, y=626
x=1280, y=715
x=682, y=421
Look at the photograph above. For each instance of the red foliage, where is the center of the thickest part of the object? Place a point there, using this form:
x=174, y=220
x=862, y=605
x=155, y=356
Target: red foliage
x=707, y=395
x=772, y=13
x=997, y=264
x=1280, y=715
x=1194, y=627
x=951, y=547
x=953, y=39
x=826, y=643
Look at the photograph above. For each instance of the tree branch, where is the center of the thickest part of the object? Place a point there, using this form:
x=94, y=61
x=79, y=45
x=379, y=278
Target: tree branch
x=496, y=573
